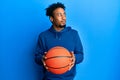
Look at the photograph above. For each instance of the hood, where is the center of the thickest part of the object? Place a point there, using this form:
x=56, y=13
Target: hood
x=59, y=34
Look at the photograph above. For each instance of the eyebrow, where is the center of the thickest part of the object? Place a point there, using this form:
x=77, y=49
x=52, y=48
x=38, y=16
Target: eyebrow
x=60, y=13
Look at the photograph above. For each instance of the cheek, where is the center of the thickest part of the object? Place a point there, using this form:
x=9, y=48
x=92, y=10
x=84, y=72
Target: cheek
x=58, y=18
x=57, y=21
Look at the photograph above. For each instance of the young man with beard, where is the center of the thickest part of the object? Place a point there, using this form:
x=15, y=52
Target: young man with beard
x=58, y=35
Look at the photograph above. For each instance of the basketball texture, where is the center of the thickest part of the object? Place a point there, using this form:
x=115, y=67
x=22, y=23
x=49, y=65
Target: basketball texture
x=57, y=60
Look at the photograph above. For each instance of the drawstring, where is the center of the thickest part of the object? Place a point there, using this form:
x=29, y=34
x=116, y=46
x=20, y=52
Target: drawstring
x=58, y=35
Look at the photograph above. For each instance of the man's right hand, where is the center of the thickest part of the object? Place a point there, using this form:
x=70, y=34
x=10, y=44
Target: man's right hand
x=44, y=61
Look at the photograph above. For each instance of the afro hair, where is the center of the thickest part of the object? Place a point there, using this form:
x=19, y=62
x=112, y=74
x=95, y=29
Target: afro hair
x=52, y=7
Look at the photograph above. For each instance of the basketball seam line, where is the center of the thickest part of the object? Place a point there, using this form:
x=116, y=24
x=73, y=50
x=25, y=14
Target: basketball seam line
x=58, y=67
x=57, y=57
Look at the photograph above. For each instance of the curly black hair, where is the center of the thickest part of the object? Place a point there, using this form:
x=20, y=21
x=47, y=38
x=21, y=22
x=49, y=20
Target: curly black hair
x=52, y=7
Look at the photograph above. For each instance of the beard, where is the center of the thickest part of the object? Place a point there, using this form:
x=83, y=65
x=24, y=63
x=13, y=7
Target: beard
x=62, y=26
x=59, y=25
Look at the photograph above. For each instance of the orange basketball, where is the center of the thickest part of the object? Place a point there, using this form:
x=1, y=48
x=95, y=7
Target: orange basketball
x=57, y=60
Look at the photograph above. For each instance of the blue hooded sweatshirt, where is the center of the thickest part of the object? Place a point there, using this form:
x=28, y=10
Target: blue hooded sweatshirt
x=67, y=38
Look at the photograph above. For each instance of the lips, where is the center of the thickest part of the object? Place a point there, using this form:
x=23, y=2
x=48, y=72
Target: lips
x=63, y=22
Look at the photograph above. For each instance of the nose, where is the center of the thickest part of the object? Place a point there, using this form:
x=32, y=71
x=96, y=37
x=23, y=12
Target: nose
x=64, y=17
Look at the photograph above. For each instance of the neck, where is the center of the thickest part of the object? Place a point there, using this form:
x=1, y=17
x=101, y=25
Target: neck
x=58, y=29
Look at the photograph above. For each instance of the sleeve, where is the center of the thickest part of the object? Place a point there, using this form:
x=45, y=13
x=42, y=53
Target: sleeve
x=78, y=49
x=39, y=51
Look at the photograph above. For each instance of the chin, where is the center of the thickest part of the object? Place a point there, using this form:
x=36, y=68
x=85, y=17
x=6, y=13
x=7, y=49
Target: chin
x=62, y=26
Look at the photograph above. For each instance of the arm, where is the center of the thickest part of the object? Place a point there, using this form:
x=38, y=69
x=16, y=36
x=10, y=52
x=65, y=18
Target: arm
x=39, y=52
x=78, y=52
x=38, y=57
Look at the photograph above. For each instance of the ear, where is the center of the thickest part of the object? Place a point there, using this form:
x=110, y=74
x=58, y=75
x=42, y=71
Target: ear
x=51, y=18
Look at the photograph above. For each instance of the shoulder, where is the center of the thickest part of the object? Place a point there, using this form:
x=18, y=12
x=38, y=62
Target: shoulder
x=44, y=33
x=72, y=30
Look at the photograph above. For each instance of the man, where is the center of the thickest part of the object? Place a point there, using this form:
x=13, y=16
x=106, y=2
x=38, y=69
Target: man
x=58, y=35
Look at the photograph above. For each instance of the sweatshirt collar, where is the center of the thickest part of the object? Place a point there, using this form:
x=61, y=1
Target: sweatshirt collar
x=64, y=30
x=59, y=34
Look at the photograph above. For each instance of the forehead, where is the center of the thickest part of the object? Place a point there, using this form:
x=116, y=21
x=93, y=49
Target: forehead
x=59, y=10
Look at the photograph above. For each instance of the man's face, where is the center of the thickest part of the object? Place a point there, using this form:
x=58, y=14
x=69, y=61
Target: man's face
x=59, y=18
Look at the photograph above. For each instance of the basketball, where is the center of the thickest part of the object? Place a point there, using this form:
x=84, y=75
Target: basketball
x=57, y=60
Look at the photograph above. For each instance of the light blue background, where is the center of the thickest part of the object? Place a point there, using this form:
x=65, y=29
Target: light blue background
x=98, y=23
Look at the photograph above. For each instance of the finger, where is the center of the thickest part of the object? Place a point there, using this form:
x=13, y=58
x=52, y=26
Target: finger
x=46, y=67
x=45, y=52
x=69, y=68
x=43, y=63
x=44, y=57
x=72, y=52
x=73, y=57
x=71, y=65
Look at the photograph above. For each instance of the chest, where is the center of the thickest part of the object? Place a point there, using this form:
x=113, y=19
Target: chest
x=66, y=40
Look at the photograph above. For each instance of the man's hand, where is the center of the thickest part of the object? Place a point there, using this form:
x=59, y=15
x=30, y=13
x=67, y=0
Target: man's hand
x=44, y=61
x=72, y=60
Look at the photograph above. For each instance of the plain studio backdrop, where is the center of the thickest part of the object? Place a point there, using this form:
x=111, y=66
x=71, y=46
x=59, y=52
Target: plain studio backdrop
x=98, y=24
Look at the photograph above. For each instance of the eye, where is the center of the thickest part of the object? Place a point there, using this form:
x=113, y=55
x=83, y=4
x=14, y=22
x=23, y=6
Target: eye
x=60, y=14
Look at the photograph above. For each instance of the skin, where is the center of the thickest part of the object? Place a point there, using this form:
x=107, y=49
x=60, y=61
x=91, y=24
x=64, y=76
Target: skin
x=58, y=19
x=59, y=22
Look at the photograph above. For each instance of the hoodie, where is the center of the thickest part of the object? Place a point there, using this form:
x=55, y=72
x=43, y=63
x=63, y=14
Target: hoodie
x=67, y=38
